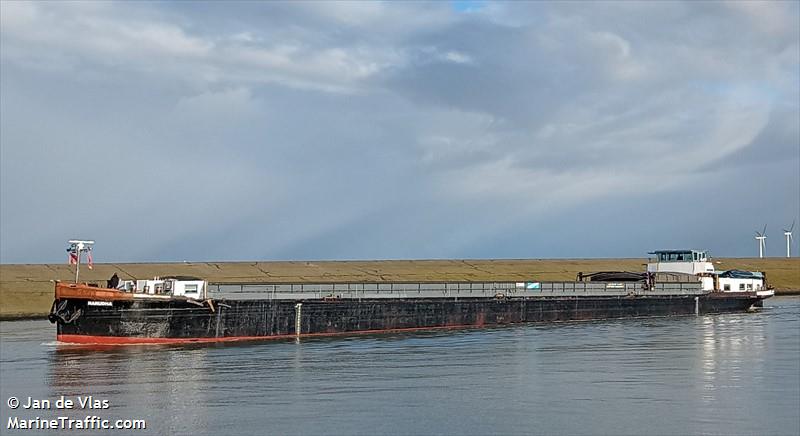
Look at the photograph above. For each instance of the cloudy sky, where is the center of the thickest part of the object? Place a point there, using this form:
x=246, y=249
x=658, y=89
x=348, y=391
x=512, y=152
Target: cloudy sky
x=242, y=131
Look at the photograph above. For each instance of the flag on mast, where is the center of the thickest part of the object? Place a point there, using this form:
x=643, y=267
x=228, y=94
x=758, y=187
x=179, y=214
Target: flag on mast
x=73, y=258
x=89, y=263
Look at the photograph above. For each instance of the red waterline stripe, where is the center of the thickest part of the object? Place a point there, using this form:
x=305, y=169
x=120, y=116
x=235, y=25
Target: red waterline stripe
x=125, y=340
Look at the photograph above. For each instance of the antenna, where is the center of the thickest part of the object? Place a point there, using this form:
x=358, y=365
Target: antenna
x=762, y=244
x=789, y=239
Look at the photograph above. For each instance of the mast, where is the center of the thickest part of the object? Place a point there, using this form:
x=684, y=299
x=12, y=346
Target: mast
x=78, y=246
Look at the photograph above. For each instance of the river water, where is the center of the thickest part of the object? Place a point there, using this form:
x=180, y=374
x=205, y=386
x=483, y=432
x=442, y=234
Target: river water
x=715, y=374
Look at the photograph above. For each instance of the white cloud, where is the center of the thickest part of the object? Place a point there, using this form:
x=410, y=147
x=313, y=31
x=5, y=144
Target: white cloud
x=457, y=57
x=775, y=19
x=617, y=54
x=93, y=38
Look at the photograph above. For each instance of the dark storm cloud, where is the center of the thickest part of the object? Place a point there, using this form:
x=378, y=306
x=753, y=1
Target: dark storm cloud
x=209, y=130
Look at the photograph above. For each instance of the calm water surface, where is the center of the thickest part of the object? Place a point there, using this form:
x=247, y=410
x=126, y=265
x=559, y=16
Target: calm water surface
x=717, y=374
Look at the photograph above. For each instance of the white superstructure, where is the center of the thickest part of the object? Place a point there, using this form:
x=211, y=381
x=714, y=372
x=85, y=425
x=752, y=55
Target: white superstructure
x=680, y=261
x=696, y=262
x=174, y=286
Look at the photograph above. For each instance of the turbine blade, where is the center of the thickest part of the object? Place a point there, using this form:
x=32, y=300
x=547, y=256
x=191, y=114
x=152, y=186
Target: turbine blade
x=792, y=227
x=764, y=232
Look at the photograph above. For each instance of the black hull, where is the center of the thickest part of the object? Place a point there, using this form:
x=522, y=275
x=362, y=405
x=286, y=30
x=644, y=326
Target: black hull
x=144, y=321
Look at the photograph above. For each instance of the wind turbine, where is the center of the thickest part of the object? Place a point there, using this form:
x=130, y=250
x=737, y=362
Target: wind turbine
x=789, y=239
x=762, y=245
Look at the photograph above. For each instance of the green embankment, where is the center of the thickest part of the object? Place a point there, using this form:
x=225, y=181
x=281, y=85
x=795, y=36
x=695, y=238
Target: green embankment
x=27, y=290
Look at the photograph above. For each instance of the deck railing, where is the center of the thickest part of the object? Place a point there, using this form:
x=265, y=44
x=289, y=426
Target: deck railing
x=249, y=291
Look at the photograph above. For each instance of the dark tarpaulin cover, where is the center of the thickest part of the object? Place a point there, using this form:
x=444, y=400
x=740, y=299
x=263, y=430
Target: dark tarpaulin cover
x=739, y=274
x=616, y=276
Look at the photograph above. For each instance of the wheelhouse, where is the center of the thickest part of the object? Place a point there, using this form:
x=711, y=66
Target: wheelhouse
x=680, y=256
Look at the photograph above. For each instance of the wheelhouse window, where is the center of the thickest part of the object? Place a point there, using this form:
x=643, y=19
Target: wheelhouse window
x=727, y=287
x=741, y=286
x=677, y=256
x=190, y=288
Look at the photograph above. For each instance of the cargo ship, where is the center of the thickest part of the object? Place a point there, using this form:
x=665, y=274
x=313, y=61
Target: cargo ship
x=189, y=309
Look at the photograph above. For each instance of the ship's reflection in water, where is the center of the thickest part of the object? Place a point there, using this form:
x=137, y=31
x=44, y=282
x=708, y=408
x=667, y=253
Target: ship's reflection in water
x=139, y=382
x=733, y=354
x=725, y=353
x=717, y=374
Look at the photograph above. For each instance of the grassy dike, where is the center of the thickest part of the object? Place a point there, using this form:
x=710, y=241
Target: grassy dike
x=27, y=290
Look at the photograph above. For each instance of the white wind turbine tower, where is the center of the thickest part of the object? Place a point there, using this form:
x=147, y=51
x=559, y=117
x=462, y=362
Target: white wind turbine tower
x=762, y=245
x=789, y=239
